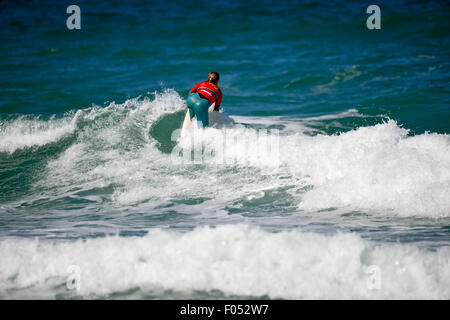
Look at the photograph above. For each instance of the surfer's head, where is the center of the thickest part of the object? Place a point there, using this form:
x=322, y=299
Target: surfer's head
x=213, y=77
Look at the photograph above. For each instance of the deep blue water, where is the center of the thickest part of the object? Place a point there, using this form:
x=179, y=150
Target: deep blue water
x=361, y=175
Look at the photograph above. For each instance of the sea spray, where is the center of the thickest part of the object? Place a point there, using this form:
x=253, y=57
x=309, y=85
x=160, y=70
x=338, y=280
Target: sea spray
x=234, y=259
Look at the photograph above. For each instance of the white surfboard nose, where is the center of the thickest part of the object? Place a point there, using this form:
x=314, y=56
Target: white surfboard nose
x=186, y=124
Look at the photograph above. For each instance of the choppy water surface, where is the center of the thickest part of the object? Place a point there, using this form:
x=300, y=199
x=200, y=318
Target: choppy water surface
x=357, y=183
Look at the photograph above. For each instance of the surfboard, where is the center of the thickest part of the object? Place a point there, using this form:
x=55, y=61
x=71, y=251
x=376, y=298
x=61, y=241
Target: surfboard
x=186, y=124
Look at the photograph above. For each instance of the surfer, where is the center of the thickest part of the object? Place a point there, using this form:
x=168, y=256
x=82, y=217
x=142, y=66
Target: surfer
x=202, y=96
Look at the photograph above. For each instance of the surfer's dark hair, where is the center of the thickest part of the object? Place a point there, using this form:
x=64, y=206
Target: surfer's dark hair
x=213, y=77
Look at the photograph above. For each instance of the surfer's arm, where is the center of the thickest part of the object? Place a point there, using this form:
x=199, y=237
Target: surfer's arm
x=219, y=101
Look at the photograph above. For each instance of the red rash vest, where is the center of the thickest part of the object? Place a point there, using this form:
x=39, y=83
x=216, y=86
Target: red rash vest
x=208, y=91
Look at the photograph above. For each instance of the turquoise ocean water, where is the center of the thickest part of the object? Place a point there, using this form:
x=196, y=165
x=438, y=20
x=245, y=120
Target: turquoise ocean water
x=353, y=200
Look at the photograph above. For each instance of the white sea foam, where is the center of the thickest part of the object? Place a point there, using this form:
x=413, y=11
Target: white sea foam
x=378, y=168
x=235, y=259
x=28, y=132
